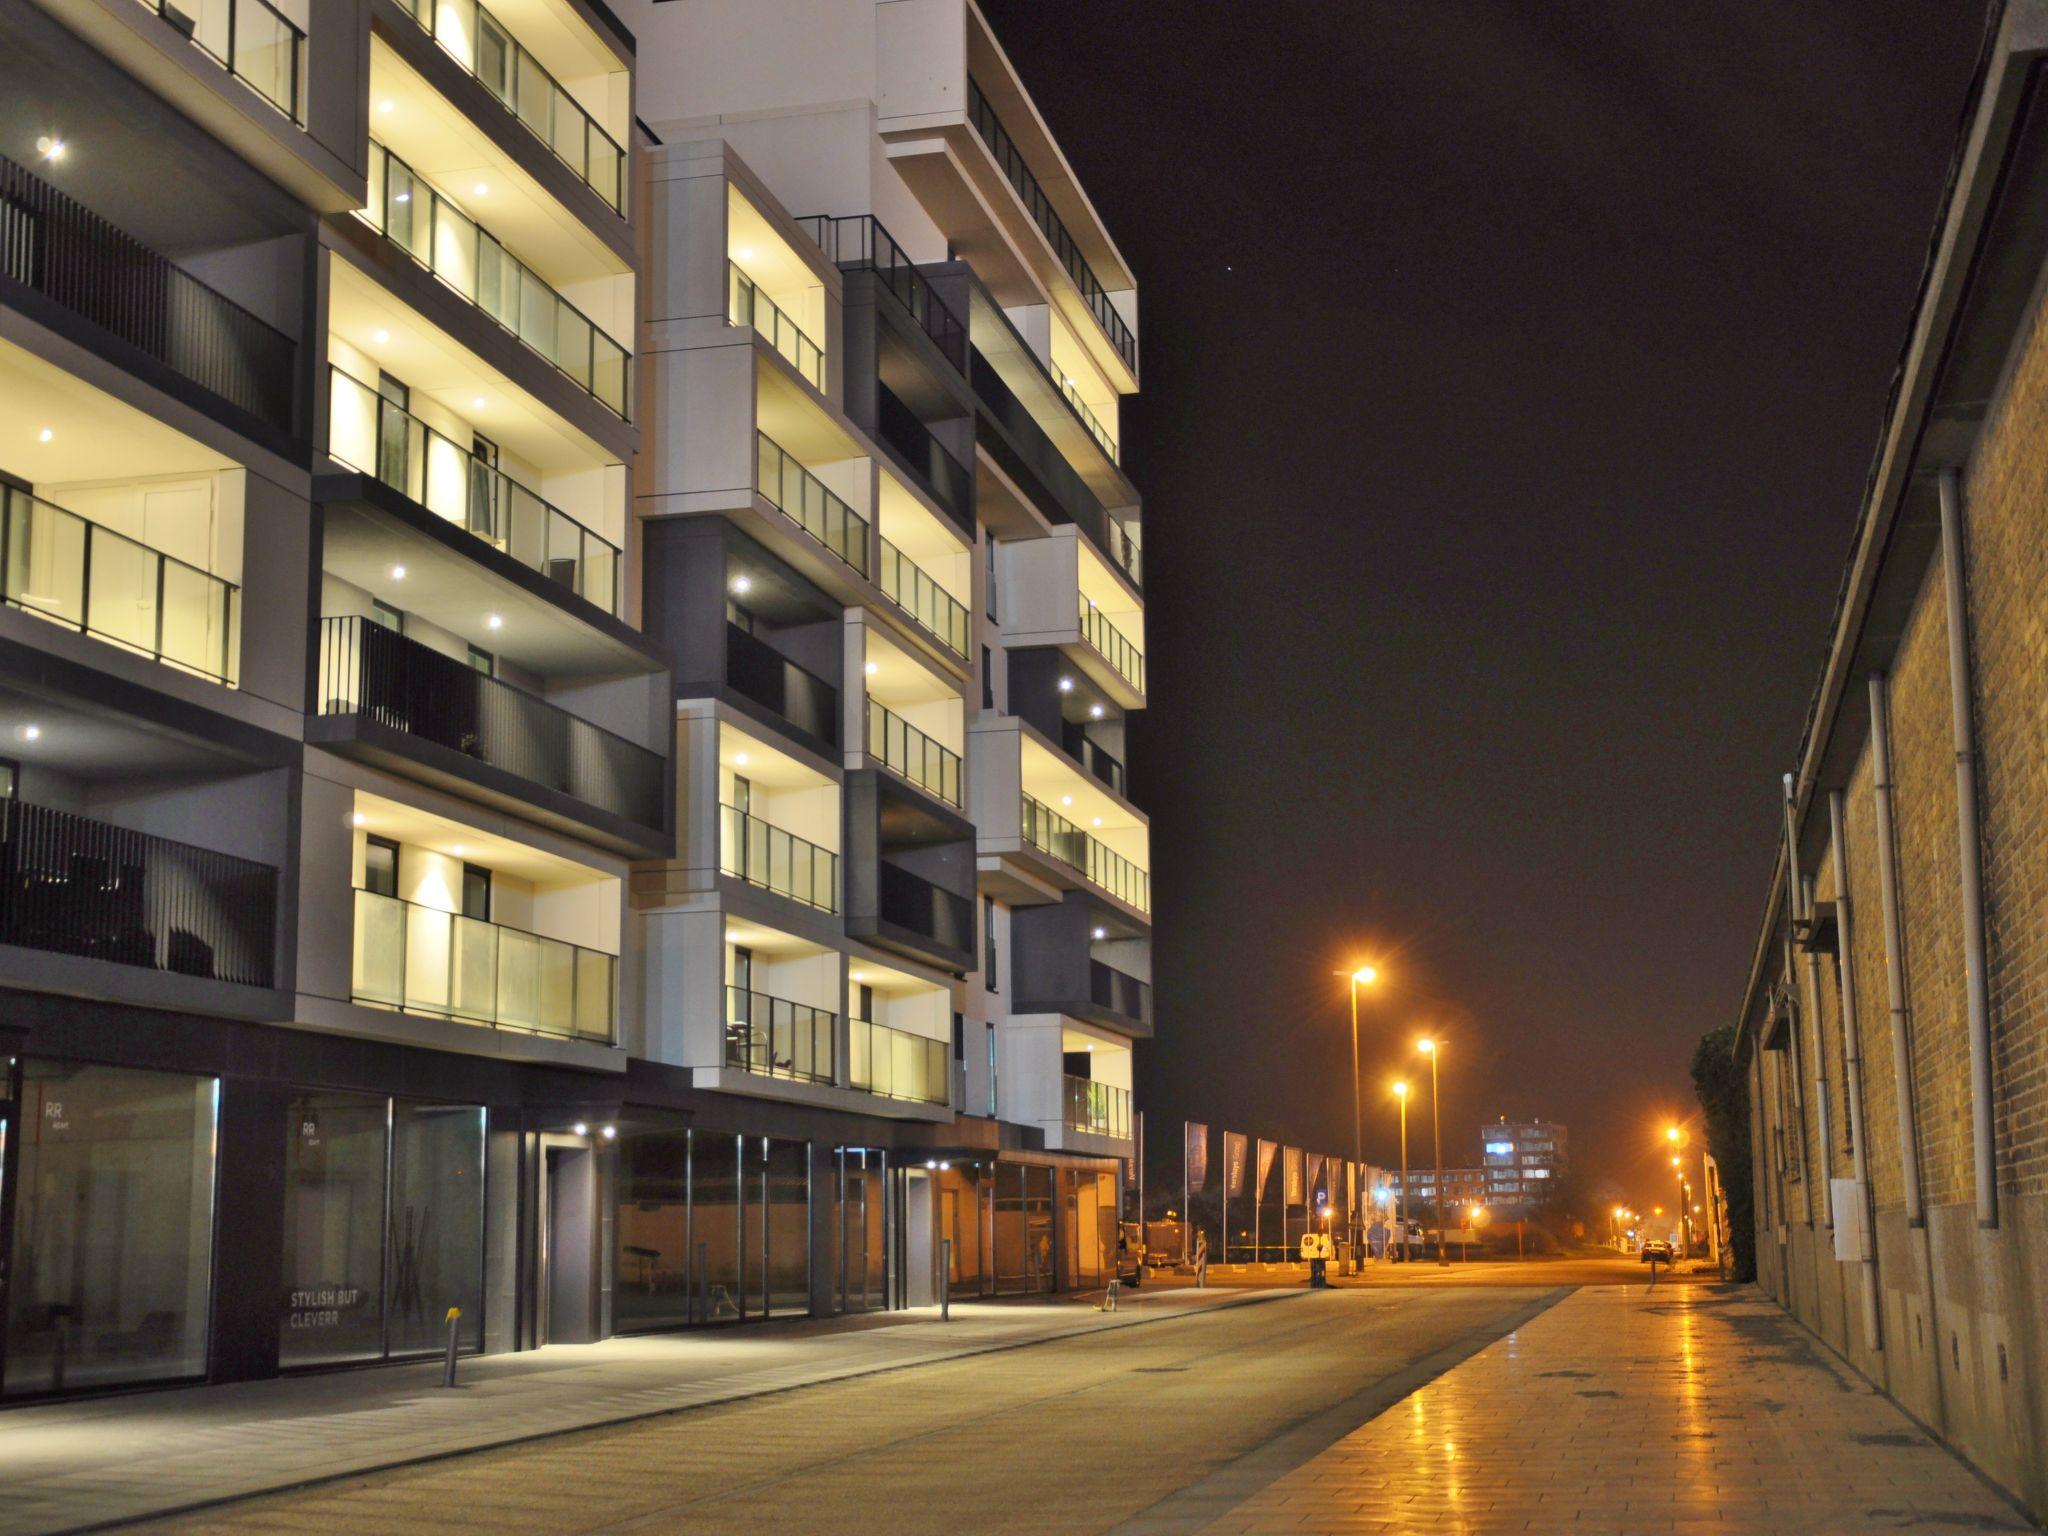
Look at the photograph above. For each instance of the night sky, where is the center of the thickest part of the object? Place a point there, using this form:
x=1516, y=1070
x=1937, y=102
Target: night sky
x=1511, y=374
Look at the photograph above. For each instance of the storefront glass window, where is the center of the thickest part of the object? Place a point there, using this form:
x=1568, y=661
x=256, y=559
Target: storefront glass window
x=789, y=1228
x=754, y=1227
x=333, y=1230
x=715, y=1221
x=653, y=1273
x=113, y=1227
x=437, y=1225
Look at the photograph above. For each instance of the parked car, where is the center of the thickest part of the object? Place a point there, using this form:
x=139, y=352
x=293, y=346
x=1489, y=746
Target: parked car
x=1657, y=1250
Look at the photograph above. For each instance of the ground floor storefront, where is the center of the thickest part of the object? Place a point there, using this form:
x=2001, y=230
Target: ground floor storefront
x=187, y=1199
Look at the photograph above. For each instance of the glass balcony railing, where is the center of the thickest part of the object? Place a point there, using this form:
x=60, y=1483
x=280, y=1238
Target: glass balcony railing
x=485, y=47
x=752, y=850
x=420, y=959
x=914, y=904
x=858, y=241
x=470, y=259
x=1010, y=160
x=70, y=885
x=803, y=499
x=913, y=754
x=756, y=670
x=1051, y=833
x=1128, y=660
x=1126, y=553
x=250, y=39
x=774, y=1037
x=907, y=585
x=396, y=682
x=1098, y=1109
x=379, y=437
x=83, y=575
x=746, y=304
x=74, y=258
x=945, y=476
x=1089, y=419
x=893, y=1063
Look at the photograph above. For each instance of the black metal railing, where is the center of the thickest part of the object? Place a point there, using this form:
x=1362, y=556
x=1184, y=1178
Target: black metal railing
x=421, y=959
x=903, y=430
x=251, y=39
x=437, y=234
x=756, y=670
x=806, y=501
x=380, y=437
x=1010, y=160
x=485, y=46
x=381, y=675
x=857, y=241
x=1103, y=768
x=1099, y=1109
x=1110, y=988
x=73, y=257
x=927, y=763
x=774, y=1037
x=913, y=903
x=1051, y=833
x=908, y=584
x=81, y=574
x=70, y=885
x=761, y=854
x=893, y=1063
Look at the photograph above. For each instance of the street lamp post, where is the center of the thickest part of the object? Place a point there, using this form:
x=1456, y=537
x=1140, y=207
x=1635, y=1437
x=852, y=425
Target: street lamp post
x=1401, y=1093
x=1436, y=1130
x=1677, y=1138
x=1364, y=976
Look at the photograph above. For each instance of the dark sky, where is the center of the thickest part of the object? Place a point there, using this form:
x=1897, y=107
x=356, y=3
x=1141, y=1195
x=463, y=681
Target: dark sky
x=1511, y=372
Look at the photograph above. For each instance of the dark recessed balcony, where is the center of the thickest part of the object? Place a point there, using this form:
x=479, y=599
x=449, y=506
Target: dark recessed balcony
x=56, y=247
x=944, y=476
x=385, y=695
x=859, y=242
x=1071, y=958
x=70, y=885
x=1114, y=992
x=943, y=919
x=774, y=1037
x=757, y=671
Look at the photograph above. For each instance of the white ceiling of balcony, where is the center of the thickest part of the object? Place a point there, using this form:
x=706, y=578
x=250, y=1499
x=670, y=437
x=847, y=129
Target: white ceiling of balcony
x=92, y=436
x=407, y=824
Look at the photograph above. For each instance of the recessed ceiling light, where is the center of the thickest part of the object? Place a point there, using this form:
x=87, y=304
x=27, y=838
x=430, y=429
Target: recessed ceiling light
x=494, y=621
x=478, y=402
x=580, y=1128
x=384, y=106
x=1066, y=799
x=1089, y=1046
x=1102, y=933
x=743, y=583
x=746, y=253
x=31, y=733
x=398, y=573
x=858, y=976
x=483, y=189
x=45, y=435
x=740, y=758
x=873, y=667
x=610, y=1132
x=1094, y=711
x=1066, y=685
x=456, y=850
x=402, y=197
x=381, y=337
x=1096, y=822
x=357, y=819
x=50, y=147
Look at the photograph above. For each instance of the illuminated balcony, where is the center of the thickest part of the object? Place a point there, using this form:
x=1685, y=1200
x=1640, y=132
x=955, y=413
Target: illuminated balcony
x=899, y=1036
x=806, y=501
x=763, y=854
x=775, y=1037
x=1096, y=1108
x=925, y=568
x=1051, y=833
x=1058, y=591
x=251, y=39
x=914, y=718
x=747, y=303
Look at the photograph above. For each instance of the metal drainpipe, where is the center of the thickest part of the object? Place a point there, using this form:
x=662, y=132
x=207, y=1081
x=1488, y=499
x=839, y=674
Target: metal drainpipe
x=1820, y=1066
x=1894, y=945
x=1794, y=890
x=1852, y=1072
x=1968, y=835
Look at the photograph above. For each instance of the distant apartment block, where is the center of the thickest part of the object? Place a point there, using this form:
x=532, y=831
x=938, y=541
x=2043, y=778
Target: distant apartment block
x=1522, y=1158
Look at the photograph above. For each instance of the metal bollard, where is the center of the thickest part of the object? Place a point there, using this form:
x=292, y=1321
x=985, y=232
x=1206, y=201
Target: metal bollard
x=454, y=1328
x=1109, y=1301
x=945, y=1279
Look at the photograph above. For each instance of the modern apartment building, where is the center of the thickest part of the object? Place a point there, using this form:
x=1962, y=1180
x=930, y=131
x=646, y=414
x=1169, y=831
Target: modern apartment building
x=560, y=726
x=1893, y=1032
x=887, y=538
x=1463, y=1188
x=1521, y=1158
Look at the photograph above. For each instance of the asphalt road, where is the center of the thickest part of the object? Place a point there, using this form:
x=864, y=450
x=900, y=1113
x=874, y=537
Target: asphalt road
x=1612, y=1269
x=1152, y=1429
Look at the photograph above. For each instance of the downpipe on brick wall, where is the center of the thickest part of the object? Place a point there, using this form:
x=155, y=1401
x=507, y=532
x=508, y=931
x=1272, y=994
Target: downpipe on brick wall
x=1822, y=1126
x=1967, y=833
x=1852, y=1072
x=1894, y=944
x=1794, y=889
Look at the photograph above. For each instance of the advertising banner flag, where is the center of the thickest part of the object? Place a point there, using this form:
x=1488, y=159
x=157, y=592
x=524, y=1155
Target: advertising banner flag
x=1195, y=1150
x=1315, y=1166
x=1266, y=1151
x=1293, y=1192
x=1234, y=1146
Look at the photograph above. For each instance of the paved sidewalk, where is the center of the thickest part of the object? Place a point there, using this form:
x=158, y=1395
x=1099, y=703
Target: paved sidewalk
x=1650, y=1412
x=74, y=1465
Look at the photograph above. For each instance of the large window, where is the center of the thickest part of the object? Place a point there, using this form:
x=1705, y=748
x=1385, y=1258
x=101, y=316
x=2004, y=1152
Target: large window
x=384, y=1226
x=113, y=1226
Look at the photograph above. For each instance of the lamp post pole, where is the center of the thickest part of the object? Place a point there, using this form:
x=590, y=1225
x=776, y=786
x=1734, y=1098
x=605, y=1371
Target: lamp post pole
x=1364, y=976
x=1401, y=1093
x=1431, y=1049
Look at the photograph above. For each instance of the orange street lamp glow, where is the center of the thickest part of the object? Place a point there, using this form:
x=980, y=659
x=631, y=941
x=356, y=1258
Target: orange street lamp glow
x=1425, y=1046
x=1366, y=975
x=1400, y=1090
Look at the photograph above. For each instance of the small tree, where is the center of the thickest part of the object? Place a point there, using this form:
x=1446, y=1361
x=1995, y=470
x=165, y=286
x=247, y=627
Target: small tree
x=1723, y=1089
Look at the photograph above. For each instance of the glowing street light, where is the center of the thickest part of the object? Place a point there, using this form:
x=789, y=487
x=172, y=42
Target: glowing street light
x=1401, y=1093
x=1364, y=976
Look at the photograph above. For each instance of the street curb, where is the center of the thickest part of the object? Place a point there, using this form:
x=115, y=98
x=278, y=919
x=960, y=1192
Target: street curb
x=428, y=1458
x=1199, y=1504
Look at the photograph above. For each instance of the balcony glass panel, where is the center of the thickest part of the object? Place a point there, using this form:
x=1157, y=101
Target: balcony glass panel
x=251, y=39
x=383, y=676
x=752, y=850
x=1051, y=833
x=374, y=435
x=774, y=1037
x=1126, y=553
x=70, y=885
x=746, y=304
x=804, y=499
x=1089, y=419
x=902, y=429
x=913, y=754
x=924, y=599
x=64, y=568
x=896, y=1064
x=470, y=259
x=484, y=46
x=419, y=959
x=859, y=241
x=1099, y=1109
x=755, y=669
x=1011, y=162
x=1128, y=660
